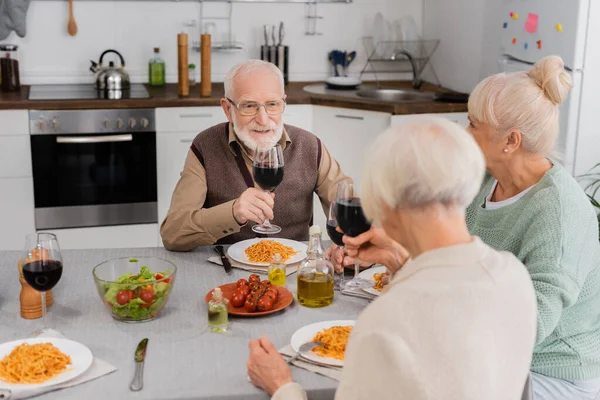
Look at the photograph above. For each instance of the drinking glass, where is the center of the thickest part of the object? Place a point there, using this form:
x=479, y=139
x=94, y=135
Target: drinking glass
x=42, y=266
x=352, y=221
x=268, y=174
x=336, y=237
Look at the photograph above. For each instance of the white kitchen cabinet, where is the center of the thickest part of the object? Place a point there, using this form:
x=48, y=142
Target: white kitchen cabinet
x=300, y=115
x=14, y=122
x=461, y=118
x=15, y=156
x=107, y=237
x=188, y=119
x=16, y=212
x=347, y=134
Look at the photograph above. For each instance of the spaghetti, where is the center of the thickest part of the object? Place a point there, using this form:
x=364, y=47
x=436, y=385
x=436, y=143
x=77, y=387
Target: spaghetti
x=33, y=363
x=263, y=251
x=378, y=277
x=335, y=340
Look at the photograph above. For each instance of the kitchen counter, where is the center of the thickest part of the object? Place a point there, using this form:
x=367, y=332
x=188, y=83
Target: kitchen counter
x=167, y=97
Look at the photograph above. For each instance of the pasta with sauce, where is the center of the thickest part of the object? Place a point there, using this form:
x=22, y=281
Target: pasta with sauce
x=33, y=363
x=335, y=340
x=263, y=251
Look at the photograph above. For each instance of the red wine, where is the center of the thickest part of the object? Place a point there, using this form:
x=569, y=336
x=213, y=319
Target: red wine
x=350, y=217
x=334, y=235
x=42, y=275
x=268, y=178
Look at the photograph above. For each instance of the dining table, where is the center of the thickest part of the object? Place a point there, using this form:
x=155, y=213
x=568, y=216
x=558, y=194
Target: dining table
x=184, y=359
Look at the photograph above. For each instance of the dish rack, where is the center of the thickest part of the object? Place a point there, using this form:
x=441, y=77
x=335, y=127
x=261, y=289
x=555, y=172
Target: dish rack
x=392, y=57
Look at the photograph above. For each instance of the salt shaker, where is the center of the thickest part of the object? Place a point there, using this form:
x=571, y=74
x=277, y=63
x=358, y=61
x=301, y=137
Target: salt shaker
x=31, y=299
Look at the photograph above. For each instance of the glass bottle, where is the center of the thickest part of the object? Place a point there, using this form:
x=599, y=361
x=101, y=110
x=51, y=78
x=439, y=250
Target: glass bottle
x=192, y=74
x=277, y=272
x=315, y=274
x=218, y=319
x=156, y=70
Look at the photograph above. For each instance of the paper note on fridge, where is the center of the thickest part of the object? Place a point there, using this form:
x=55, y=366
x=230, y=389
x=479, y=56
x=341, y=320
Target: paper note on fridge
x=532, y=23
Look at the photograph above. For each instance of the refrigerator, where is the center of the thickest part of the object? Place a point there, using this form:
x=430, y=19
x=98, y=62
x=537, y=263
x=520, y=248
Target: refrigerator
x=511, y=35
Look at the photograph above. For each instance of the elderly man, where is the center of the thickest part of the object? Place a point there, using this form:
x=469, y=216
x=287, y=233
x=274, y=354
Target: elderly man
x=216, y=197
x=459, y=318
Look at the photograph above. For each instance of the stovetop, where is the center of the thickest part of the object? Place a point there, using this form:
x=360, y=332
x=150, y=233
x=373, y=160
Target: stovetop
x=84, y=92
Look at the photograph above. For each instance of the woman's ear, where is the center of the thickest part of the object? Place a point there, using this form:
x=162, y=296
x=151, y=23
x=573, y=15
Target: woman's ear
x=513, y=141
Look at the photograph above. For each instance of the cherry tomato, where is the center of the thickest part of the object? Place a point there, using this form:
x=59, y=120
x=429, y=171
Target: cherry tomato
x=146, y=305
x=254, y=286
x=242, y=282
x=238, y=298
x=147, y=296
x=249, y=306
x=130, y=294
x=123, y=297
x=264, y=304
x=158, y=276
x=266, y=282
x=245, y=290
x=254, y=278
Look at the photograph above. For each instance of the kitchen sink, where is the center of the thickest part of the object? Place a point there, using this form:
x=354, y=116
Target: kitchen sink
x=396, y=95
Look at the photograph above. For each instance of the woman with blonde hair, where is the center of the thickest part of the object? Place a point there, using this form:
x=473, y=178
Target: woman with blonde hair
x=531, y=206
x=458, y=320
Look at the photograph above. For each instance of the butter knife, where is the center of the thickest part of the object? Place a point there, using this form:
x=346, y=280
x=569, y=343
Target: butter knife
x=224, y=259
x=138, y=377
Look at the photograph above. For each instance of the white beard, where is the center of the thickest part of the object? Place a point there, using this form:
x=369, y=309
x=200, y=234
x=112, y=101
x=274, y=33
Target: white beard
x=266, y=141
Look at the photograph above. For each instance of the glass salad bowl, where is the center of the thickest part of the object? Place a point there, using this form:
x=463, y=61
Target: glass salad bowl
x=135, y=289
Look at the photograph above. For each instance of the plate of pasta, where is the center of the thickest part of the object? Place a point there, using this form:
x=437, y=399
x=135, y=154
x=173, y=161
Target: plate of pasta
x=376, y=275
x=260, y=252
x=334, y=334
x=40, y=362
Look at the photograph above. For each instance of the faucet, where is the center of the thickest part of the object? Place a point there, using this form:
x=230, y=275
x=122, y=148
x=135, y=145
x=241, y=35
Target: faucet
x=416, y=81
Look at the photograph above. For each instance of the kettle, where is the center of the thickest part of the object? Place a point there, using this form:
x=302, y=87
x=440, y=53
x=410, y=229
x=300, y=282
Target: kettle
x=110, y=77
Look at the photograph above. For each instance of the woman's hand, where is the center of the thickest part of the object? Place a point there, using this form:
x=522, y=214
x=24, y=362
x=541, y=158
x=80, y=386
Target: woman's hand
x=266, y=367
x=374, y=246
x=336, y=254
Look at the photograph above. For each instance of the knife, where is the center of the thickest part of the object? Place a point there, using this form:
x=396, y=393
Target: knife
x=138, y=377
x=224, y=259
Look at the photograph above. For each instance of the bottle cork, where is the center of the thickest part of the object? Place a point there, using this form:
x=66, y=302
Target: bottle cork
x=31, y=299
x=205, y=55
x=183, y=84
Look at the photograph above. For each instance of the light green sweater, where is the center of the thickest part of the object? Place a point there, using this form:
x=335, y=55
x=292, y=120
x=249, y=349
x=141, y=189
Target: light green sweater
x=553, y=230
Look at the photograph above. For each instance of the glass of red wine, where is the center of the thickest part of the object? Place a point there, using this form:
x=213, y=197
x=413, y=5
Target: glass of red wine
x=42, y=266
x=336, y=237
x=268, y=174
x=352, y=221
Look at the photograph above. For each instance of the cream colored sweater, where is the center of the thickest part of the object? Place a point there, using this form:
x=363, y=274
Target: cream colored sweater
x=457, y=323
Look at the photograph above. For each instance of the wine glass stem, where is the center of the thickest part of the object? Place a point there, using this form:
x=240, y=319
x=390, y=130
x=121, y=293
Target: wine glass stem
x=266, y=223
x=44, y=326
x=356, y=270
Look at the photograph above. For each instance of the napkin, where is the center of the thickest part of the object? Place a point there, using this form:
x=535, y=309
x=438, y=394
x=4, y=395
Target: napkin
x=321, y=369
x=289, y=268
x=359, y=293
x=97, y=369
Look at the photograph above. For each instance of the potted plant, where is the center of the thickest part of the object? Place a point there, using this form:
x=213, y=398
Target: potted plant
x=592, y=188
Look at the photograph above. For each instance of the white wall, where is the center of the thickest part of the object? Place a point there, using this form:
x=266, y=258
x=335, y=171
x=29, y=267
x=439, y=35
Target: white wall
x=459, y=26
x=49, y=55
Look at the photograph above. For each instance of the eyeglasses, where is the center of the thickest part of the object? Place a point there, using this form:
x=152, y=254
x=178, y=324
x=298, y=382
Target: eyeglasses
x=251, y=108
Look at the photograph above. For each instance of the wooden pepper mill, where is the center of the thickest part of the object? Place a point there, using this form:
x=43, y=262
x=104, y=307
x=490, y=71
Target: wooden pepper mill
x=31, y=299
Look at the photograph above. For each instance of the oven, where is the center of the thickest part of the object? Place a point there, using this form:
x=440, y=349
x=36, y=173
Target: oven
x=93, y=167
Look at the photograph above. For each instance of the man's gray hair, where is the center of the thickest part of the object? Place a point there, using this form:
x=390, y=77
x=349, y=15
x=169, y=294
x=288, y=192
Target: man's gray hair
x=422, y=162
x=246, y=68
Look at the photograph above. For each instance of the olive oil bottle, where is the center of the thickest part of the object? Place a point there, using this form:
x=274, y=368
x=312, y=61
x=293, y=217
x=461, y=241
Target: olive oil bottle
x=218, y=318
x=315, y=275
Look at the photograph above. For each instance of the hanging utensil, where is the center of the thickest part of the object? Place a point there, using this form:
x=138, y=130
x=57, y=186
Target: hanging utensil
x=72, y=26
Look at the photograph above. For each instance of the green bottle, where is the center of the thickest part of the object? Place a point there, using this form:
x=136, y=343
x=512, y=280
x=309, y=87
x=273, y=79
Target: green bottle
x=156, y=70
x=218, y=320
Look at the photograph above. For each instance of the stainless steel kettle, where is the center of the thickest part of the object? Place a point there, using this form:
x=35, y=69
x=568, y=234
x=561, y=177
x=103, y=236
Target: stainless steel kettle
x=110, y=77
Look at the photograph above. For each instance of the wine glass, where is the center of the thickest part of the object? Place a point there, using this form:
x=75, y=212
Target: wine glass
x=42, y=266
x=268, y=174
x=352, y=221
x=336, y=237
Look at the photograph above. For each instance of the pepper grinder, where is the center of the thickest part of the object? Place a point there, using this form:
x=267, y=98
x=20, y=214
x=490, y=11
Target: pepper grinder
x=205, y=63
x=31, y=299
x=183, y=65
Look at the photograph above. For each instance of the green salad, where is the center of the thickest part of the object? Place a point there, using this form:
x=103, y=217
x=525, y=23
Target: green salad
x=138, y=297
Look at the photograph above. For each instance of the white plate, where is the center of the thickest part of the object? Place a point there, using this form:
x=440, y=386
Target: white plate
x=308, y=332
x=368, y=275
x=81, y=360
x=343, y=81
x=237, y=251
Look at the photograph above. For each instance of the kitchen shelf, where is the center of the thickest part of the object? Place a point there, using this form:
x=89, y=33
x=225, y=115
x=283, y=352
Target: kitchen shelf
x=232, y=1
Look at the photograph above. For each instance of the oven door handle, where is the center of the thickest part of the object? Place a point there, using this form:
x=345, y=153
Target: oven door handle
x=94, y=139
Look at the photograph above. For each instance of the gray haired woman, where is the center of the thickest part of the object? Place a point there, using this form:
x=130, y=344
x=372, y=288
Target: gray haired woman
x=458, y=319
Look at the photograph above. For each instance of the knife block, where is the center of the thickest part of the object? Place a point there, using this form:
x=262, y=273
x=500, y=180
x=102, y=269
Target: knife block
x=31, y=299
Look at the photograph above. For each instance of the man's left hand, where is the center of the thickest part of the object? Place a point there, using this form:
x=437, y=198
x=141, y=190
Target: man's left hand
x=266, y=367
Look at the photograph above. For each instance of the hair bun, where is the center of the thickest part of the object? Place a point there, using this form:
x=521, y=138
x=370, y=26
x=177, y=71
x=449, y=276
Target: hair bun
x=550, y=75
